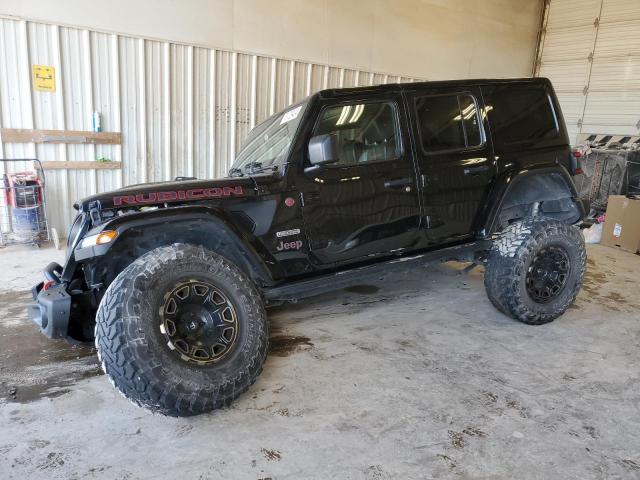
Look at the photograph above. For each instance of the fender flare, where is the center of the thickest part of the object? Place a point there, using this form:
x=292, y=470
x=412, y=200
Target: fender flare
x=212, y=224
x=507, y=183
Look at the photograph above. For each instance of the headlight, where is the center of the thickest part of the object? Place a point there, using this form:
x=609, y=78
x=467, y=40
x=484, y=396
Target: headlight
x=99, y=239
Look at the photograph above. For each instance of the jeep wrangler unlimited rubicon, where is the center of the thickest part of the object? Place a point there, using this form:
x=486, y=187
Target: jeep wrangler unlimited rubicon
x=171, y=279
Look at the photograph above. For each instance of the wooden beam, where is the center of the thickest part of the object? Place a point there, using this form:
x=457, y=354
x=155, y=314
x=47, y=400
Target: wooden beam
x=25, y=135
x=90, y=165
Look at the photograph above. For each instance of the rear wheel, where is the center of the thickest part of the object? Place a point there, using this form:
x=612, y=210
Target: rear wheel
x=182, y=331
x=535, y=268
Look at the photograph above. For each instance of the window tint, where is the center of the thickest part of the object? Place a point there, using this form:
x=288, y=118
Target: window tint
x=448, y=122
x=366, y=132
x=520, y=113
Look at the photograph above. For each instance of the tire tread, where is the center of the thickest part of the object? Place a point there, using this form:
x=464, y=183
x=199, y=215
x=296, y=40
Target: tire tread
x=124, y=355
x=505, y=265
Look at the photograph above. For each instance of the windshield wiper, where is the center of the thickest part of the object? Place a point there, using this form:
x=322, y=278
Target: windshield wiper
x=250, y=169
x=266, y=168
x=235, y=172
x=257, y=167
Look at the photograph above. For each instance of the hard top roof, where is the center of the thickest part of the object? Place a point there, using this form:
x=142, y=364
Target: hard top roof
x=397, y=87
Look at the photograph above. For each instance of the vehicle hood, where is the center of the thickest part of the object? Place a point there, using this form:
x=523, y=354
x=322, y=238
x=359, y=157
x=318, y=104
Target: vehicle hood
x=180, y=191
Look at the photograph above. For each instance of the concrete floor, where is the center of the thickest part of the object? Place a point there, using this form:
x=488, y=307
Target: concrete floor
x=414, y=376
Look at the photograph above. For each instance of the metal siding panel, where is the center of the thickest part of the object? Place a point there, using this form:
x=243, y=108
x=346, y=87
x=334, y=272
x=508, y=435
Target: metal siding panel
x=178, y=81
x=202, y=120
x=263, y=92
x=17, y=110
x=74, y=81
x=349, y=78
x=300, y=81
x=156, y=110
x=130, y=77
x=243, y=98
x=105, y=101
x=333, y=78
x=378, y=79
x=223, y=110
x=317, y=78
x=283, y=79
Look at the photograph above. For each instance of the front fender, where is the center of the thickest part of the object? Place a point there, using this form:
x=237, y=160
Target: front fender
x=208, y=226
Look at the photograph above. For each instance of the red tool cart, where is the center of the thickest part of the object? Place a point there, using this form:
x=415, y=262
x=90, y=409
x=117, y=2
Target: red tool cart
x=23, y=217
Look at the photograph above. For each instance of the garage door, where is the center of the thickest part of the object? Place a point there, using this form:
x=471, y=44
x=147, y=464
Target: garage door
x=590, y=49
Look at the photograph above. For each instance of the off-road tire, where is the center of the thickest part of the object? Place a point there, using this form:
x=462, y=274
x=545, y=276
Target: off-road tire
x=135, y=355
x=511, y=255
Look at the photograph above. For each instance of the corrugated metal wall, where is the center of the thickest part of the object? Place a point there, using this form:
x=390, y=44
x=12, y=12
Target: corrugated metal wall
x=591, y=53
x=182, y=109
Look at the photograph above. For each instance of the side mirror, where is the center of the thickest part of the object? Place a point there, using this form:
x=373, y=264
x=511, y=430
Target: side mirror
x=323, y=149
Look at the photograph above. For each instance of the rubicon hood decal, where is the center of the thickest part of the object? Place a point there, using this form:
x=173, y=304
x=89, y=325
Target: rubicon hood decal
x=173, y=192
x=177, y=195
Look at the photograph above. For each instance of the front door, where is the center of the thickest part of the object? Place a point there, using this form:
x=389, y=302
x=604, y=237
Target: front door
x=367, y=203
x=454, y=158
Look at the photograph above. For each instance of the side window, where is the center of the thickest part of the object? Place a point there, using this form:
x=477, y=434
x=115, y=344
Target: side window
x=366, y=132
x=448, y=122
x=520, y=113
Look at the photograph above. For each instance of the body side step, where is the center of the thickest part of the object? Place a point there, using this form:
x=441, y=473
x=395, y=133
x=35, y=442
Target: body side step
x=334, y=281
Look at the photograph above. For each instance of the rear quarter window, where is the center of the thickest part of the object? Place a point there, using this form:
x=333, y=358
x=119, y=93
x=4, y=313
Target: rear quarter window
x=520, y=114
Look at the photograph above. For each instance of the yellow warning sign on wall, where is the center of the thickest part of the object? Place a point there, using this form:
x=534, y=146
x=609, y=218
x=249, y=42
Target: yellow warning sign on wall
x=44, y=78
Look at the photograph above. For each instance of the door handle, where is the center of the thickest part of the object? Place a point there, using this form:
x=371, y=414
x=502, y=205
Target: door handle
x=399, y=183
x=476, y=170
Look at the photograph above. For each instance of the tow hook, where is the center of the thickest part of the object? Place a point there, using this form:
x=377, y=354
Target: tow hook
x=52, y=273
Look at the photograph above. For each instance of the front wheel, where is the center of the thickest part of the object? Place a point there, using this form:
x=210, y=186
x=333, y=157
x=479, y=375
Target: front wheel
x=535, y=268
x=182, y=331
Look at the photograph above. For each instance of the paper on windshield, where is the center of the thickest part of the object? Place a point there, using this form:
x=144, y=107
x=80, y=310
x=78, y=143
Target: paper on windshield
x=291, y=114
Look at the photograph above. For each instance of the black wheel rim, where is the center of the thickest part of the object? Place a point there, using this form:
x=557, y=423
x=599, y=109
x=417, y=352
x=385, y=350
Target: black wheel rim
x=547, y=274
x=198, y=322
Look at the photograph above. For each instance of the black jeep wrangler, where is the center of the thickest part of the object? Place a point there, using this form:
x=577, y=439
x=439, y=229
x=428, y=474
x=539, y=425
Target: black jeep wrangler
x=171, y=279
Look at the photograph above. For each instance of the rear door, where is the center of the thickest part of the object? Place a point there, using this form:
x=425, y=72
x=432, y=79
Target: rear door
x=367, y=203
x=454, y=158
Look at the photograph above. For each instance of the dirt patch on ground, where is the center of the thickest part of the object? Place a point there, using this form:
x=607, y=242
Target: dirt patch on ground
x=50, y=387
x=363, y=289
x=596, y=284
x=31, y=365
x=285, y=345
x=271, y=455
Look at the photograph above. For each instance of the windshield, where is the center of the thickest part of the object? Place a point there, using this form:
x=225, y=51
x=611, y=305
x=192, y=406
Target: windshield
x=268, y=144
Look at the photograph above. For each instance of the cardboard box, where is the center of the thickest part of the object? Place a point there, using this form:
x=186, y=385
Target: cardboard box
x=622, y=224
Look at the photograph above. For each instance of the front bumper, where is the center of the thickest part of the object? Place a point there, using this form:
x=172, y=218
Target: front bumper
x=52, y=309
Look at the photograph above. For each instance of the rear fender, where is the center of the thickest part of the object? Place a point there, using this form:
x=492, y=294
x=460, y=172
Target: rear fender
x=551, y=186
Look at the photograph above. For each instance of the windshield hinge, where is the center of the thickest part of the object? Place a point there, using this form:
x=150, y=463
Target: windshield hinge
x=94, y=213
